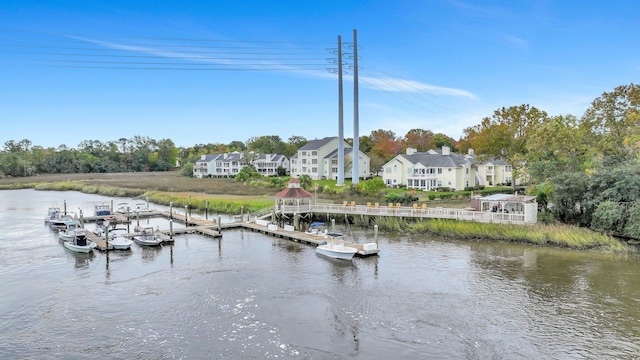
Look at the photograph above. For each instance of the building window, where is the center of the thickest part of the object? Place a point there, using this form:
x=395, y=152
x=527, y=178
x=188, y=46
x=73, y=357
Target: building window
x=304, y=161
x=507, y=168
x=449, y=169
x=439, y=170
x=439, y=183
x=314, y=161
x=304, y=169
x=303, y=153
x=314, y=153
x=449, y=183
x=314, y=169
x=387, y=170
x=466, y=171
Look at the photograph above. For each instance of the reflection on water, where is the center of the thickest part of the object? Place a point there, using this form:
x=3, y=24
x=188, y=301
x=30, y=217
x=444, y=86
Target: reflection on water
x=247, y=295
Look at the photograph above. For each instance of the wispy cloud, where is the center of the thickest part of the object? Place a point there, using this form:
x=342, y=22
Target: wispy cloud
x=411, y=86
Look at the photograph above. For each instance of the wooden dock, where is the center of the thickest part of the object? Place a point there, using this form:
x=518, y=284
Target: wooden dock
x=298, y=236
x=209, y=228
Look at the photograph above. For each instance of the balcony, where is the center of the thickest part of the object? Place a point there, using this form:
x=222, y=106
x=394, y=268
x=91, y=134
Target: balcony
x=422, y=176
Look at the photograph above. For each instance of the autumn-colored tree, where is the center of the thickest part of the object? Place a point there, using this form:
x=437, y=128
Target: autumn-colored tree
x=463, y=145
x=385, y=143
x=419, y=139
x=506, y=133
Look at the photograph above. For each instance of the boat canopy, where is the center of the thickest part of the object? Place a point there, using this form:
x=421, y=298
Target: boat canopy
x=317, y=224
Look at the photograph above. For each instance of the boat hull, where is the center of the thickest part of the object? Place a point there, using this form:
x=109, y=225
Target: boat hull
x=147, y=242
x=337, y=252
x=80, y=248
x=121, y=243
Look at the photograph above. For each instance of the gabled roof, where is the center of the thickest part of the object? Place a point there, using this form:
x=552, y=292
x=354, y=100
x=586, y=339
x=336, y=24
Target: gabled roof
x=334, y=153
x=434, y=158
x=317, y=144
x=208, y=158
x=274, y=157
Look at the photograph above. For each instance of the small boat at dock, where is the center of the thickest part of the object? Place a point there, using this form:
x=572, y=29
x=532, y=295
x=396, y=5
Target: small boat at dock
x=72, y=229
x=102, y=209
x=334, y=247
x=118, y=241
x=148, y=237
x=80, y=243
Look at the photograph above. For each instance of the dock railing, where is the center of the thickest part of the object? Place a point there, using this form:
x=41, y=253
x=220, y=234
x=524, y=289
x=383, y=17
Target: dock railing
x=429, y=212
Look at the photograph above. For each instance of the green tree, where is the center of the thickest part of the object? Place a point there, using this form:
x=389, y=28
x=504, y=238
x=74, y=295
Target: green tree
x=444, y=140
x=371, y=187
x=556, y=145
x=506, y=134
x=268, y=144
x=613, y=123
x=305, y=181
x=247, y=173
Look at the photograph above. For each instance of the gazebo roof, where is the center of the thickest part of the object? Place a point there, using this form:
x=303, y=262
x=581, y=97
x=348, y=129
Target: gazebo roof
x=294, y=191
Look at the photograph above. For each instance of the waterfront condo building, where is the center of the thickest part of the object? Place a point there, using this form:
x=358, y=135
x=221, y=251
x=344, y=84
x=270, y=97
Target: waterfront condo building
x=435, y=169
x=319, y=160
x=230, y=164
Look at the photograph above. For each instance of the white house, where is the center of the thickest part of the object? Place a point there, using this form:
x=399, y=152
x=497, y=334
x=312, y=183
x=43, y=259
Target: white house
x=230, y=164
x=319, y=160
x=441, y=168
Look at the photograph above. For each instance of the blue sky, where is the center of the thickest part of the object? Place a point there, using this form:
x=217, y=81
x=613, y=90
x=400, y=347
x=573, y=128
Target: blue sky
x=218, y=71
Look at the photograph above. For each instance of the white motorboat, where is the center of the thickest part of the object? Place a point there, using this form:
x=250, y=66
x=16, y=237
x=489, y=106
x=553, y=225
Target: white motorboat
x=59, y=223
x=118, y=241
x=317, y=229
x=72, y=229
x=53, y=213
x=123, y=208
x=148, y=237
x=334, y=247
x=102, y=209
x=80, y=243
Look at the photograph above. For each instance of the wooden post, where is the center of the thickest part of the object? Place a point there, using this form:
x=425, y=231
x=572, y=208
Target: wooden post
x=206, y=209
x=65, y=207
x=375, y=232
x=106, y=235
x=296, y=221
x=242, y=213
x=137, y=218
x=171, y=210
x=333, y=225
x=219, y=222
x=186, y=216
x=171, y=229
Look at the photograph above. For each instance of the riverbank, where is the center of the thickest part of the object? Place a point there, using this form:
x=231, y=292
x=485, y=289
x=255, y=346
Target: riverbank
x=227, y=196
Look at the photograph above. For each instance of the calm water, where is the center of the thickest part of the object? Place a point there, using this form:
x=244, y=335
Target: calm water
x=250, y=296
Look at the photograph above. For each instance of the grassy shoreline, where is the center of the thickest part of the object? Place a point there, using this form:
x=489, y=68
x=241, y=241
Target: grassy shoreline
x=226, y=196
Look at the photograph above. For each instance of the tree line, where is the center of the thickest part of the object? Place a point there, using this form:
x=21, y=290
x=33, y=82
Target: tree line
x=584, y=170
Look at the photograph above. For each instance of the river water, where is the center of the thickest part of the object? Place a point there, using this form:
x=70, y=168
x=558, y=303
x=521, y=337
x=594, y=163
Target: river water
x=251, y=296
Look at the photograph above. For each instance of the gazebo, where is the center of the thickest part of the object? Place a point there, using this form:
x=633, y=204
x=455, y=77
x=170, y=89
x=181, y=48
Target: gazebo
x=293, y=198
x=507, y=203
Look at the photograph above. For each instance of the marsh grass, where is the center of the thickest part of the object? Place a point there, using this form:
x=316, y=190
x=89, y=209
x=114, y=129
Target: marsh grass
x=228, y=204
x=539, y=234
